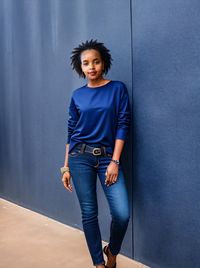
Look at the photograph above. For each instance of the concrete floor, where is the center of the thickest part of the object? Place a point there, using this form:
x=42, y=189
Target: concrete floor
x=31, y=240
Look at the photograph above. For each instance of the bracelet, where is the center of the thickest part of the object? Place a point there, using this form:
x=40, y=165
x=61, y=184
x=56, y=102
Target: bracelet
x=64, y=169
x=115, y=161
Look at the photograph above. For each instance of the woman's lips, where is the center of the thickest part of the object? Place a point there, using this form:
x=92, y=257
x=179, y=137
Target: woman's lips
x=92, y=73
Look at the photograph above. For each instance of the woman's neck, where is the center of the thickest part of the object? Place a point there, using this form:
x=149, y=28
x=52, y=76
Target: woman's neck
x=97, y=83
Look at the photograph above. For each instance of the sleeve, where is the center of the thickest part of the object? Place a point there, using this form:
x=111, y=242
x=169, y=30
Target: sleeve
x=124, y=116
x=73, y=118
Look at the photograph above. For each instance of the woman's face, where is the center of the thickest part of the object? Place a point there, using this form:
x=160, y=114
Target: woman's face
x=92, y=65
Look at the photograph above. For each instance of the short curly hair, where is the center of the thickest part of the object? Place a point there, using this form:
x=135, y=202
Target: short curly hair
x=92, y=44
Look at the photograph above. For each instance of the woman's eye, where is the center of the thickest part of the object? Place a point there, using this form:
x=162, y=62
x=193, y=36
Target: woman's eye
x=87, y=63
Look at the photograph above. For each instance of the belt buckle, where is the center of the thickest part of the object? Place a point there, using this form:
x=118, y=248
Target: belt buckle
x=96, y=151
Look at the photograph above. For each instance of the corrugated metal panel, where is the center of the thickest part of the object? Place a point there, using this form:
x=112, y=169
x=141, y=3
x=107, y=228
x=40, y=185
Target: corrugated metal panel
x=36, y=85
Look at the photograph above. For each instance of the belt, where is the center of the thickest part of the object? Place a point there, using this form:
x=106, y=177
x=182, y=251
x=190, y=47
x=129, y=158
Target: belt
x=97, y=151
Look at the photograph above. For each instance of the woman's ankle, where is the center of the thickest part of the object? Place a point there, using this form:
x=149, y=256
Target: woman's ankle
x=111, y=259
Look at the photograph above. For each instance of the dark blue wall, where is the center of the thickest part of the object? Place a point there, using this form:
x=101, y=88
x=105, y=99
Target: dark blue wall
x=166, y=93
x=37, y=38
x=156, y=51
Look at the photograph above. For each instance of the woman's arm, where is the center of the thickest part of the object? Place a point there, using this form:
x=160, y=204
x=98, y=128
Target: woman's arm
x=119, y=145
x=66, y=156
x=113, y=168
x=66, y=176
x=123, y=124
x=72, y=121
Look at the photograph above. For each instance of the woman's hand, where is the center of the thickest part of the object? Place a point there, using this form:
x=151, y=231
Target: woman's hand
x=66, y=181
x=111, y=173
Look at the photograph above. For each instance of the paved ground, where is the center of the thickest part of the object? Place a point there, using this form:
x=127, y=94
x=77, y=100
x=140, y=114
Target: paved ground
x=31, y=240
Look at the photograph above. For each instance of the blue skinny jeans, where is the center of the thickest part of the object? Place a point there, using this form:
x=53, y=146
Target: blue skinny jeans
x=84, y=169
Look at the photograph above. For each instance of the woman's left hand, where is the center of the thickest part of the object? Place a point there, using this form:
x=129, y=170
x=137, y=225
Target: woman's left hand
x=111, y=173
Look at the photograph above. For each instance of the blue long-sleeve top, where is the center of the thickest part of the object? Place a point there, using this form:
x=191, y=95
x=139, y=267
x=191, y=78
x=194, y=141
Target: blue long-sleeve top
x=99, y=115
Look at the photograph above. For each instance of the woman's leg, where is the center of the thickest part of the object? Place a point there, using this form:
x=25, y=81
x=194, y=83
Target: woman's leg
x=84, y=175
x=117, y=197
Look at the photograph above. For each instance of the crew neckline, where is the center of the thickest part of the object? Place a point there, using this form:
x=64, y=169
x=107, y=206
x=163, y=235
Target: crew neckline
x=99, y=86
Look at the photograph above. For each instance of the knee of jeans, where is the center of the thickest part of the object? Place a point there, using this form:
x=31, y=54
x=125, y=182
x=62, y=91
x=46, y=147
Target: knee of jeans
x=122, y=218
x=89, y=214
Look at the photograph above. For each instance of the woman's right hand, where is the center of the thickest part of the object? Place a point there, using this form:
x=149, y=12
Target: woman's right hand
x=66, y=178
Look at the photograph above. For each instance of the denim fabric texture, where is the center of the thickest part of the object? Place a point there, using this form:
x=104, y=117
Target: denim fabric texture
x=85, y=169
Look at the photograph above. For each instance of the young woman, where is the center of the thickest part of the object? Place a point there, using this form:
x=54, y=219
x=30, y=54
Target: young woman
x=98, y=125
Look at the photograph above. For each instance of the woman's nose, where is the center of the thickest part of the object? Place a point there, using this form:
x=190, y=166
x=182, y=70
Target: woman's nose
x=91, y=65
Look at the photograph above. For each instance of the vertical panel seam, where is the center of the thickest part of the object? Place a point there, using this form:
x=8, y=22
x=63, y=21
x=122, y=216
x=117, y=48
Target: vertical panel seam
x=132, y=144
